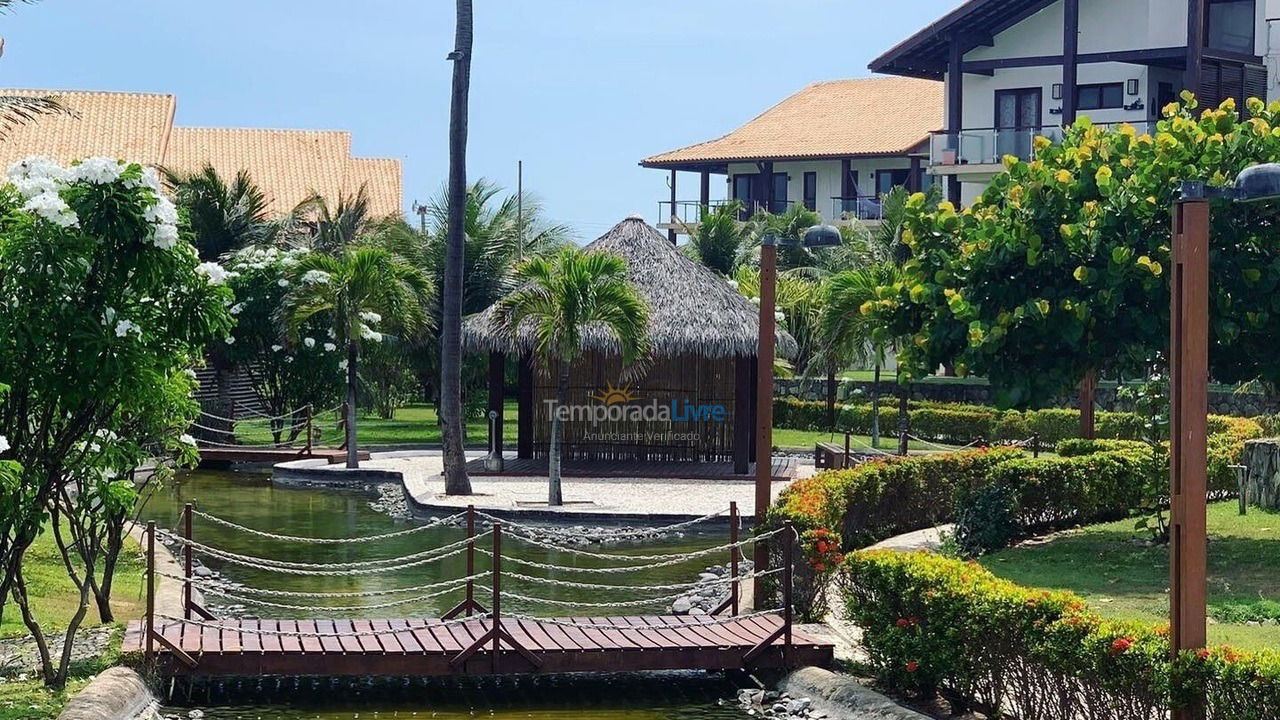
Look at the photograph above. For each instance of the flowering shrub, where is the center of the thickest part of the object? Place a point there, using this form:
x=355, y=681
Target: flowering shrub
x=937, y=624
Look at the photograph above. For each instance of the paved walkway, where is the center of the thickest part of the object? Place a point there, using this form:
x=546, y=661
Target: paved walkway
x=658, y=499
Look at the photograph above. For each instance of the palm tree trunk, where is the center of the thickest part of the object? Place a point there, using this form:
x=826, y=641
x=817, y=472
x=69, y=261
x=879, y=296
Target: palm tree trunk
x=875, y=407
x=554, y=495
x=353, y=456
x=831, y=398
x=455, y=459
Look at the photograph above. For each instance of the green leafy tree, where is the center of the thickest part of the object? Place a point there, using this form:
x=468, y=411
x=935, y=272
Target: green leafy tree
x=357, y=289
x=1059, y=268
x=561, y=298
x=105, y=302
x=849, y=335
x=289, y=371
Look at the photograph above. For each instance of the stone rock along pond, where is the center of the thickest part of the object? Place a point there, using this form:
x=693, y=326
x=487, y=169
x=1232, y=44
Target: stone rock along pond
x=250, y=499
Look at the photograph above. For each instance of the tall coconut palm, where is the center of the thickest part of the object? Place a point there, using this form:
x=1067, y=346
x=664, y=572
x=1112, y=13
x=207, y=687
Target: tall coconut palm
x=456, y=481
x=560, y=298
x=358, y=288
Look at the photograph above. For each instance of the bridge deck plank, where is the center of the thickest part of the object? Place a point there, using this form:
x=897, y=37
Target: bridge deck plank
x=424, y=646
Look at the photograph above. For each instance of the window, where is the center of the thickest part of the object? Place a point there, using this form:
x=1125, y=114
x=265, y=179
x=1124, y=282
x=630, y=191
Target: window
x=1100, y=97
x=887, y=180
x=811, y=190
x=1230, y=26
x=779, y=193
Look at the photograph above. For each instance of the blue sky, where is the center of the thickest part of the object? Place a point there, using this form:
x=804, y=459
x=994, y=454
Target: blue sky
x=581, y=91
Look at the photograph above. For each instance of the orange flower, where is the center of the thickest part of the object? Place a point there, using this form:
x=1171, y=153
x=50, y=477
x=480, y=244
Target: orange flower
x=1120, y=645
x=1203, y=654
x=913, y=666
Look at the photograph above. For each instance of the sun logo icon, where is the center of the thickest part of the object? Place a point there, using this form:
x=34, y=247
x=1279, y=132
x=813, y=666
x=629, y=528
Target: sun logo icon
x=612, y=395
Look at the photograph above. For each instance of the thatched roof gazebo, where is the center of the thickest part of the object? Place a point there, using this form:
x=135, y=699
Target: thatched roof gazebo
x=703, y=338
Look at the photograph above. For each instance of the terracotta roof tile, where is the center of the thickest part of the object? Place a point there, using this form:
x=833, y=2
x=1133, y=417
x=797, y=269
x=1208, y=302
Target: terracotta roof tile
x=288, y=164
x=129, y=126
x=837, y=118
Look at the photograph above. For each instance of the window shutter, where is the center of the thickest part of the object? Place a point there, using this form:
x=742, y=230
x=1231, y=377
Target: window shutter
x=1210, y=95
x=1255, y=82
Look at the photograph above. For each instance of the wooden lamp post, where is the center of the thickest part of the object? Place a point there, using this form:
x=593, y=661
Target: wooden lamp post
x=818, y=236
x=1189, y=404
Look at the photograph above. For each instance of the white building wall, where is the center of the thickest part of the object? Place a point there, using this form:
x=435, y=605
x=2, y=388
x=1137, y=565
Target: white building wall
x=828, y=177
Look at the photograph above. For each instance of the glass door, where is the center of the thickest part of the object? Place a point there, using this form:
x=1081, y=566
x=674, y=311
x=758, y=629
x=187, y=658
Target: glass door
x=1017, y=122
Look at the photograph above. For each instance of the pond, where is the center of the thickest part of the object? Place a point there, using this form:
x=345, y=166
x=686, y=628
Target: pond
x=251, y=500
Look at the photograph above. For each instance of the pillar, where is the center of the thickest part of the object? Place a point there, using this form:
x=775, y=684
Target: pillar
x=743, y=418
x=1070, y=48
x=955, y=109
x=671, y=234
x=524, y=401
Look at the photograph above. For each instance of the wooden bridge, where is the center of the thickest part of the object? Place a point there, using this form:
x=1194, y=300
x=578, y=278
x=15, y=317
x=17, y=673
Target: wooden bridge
x=469, y=639
x=238, y=437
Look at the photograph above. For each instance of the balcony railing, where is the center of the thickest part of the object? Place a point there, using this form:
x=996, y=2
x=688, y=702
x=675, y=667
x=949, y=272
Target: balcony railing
x=857, y=207
x=690, y=212
x=988, y=146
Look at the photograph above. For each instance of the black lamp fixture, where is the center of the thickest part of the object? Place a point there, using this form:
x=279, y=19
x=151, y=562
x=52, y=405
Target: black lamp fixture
x=1254, y=184
x=1057, y=91
x=1131, y=87
x=821, y=236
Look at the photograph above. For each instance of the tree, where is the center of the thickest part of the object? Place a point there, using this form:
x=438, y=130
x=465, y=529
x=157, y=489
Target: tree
x=356, y=289
x=105, y=302
x=339, y=224
x=223, y=216
x=1059, y=268
x=718, y=237
x=451, y=426
x=560, y=299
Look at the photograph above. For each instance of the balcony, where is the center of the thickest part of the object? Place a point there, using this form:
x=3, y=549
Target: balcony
x=685, y=213
x=857, y=207
x=988, y=146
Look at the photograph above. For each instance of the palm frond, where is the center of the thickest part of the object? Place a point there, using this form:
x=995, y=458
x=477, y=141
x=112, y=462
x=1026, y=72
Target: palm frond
x=19, y=110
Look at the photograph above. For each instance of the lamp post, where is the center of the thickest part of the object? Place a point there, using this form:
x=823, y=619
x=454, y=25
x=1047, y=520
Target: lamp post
x=818, y=236
x=1189, y=403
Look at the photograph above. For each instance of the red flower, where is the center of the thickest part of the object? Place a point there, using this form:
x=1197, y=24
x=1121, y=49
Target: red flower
x=903, y=622
x=1203, y=654
x=913, y=666
x=1119, y=645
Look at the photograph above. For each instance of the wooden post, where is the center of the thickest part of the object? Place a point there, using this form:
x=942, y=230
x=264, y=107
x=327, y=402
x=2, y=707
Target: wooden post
x=788, y=549
x=187, y=561
x=845, y=464
x=1189, y=407
x=1242, y=487
x=704, y=193
x=1088, y=390
x=1035, y=445
x=742, y=422
x=764, y=405
x=734, y=552
x=904, y=422
x=310, y=426
x=149, y=642
x=955, y=110
x=524, y=403
x=471, y=558
x=1070, y=47
x=497, y=593
x=1196, y=21
x=671, y=234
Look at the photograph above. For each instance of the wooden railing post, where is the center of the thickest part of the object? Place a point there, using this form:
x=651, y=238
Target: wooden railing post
x=845, y=464
x=310, y=421
x=149, y=641
x=788, y=548
x=497, y=593
x=471, y=558
x=187, y=561
x=734, y=552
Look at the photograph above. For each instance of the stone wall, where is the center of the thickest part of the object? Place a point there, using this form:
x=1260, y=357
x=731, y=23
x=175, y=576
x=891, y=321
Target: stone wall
x=1222, y=401
x=1262, y=457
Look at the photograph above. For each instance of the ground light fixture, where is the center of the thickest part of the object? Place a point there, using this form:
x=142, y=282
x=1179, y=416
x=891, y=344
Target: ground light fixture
x=1189, y=403
x=818, y=236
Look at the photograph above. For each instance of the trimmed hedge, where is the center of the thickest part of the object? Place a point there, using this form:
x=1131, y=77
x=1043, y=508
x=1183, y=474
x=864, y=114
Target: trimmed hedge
x=964, y=424
x=934, y=624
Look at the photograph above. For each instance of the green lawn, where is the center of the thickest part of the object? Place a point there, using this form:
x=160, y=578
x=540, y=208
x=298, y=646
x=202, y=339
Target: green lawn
x=53, y=601
x=417, y=425
x=1122, y=578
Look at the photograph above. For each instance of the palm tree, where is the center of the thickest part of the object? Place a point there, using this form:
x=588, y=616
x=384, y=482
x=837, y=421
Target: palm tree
x=336, y=226
x=359, y=287
x=561, y=298
x=224, y=216
x=718, y=237
x=451, y=421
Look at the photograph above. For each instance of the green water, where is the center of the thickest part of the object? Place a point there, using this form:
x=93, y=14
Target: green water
x=251, y=500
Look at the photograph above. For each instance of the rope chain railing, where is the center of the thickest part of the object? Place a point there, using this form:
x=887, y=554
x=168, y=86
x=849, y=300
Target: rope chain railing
x=301, y=423
x=495, y=631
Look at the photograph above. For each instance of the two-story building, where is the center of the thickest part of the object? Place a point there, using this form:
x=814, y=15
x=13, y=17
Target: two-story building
x=1015, y=69
x=833, y=147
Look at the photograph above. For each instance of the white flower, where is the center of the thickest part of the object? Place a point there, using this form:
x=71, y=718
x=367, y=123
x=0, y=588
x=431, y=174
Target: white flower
x=733, y=284
x=277, y=348
x=237, y=309
x=230, y=340
x=282, y=282
x=97, y=170
x=164, y=236
x=4, y=444
x=30, y=187
x=51, y=207
x=187, y=439
x=190, y=373
x=755, y=301
x=370, y=334
x=38, y=166
x=330, y=347
x=309, y=342
x=342, y=364
x=216, y=274
x=371, y=317
x=124, y=327
x=161, y=212
x=779, y=316
x=316, y=277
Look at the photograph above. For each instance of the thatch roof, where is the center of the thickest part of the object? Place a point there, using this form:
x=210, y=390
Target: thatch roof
x=692, y=310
